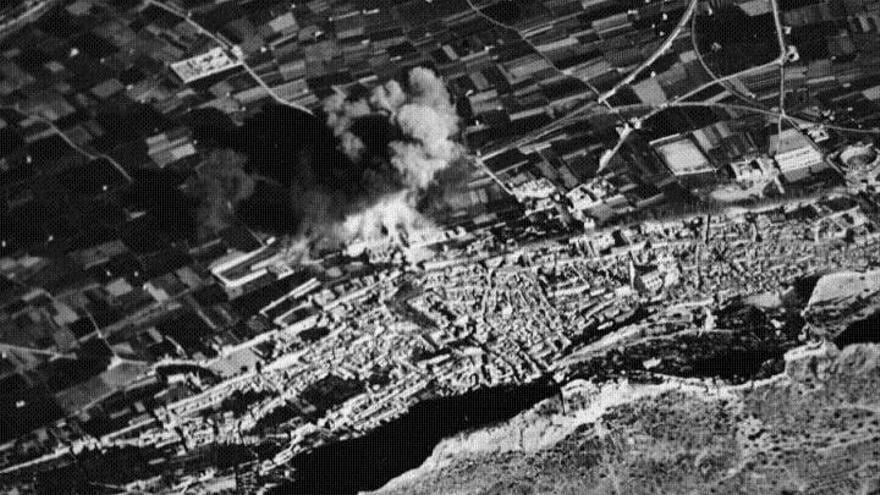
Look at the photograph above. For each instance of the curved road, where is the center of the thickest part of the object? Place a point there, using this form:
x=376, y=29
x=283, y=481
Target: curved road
x=685, y=17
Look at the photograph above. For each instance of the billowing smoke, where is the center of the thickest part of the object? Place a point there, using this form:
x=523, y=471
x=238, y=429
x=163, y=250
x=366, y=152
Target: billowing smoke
x=416, y=124
x=383, y=156
x=341, y=113
x=389, y=217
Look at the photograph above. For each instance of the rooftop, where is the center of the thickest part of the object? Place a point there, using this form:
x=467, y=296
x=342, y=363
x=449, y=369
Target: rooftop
x=789, y=140
x=209, y=63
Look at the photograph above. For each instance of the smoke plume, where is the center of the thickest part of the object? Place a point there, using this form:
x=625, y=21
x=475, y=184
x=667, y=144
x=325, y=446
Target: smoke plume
x=221, y=183
x=379, y=157
x=400, y=137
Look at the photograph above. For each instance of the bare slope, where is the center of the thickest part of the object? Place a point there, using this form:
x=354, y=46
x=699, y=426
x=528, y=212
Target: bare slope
x=813, y=429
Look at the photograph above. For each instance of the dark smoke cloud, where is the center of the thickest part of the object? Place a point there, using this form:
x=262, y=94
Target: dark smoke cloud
x=415, y=124
x=362, y=173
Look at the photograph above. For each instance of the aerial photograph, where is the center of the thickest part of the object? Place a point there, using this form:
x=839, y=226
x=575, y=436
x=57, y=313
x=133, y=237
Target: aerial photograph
x=464, y=247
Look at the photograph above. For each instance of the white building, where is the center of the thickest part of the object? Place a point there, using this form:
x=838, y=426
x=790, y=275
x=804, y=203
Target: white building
x=237, y=269
x=534, y=189
x=796, y=154
x=209, y=63
x=590, y=193
x=752, y=169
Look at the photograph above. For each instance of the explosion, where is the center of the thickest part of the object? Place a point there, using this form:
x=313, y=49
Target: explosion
x=361, y=177
x=423, y=124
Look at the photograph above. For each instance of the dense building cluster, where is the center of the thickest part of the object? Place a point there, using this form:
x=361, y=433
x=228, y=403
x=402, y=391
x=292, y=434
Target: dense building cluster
x=355, y=351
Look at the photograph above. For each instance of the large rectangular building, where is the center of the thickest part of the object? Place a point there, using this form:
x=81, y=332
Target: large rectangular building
x=795, y=154
x=684, y=159
x=212, y=62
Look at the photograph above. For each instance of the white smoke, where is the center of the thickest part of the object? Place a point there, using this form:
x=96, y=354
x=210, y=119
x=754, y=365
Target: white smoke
x=388, y=97
x=428, y=119
x=388, y=219
x=427, y=123
x=341, y=113
x=416, y=168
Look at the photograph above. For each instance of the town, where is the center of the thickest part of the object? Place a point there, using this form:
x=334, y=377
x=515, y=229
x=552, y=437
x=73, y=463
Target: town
x=632, y=175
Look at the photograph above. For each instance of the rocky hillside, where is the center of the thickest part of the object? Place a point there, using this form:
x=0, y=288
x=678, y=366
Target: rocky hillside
x=814, y=428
